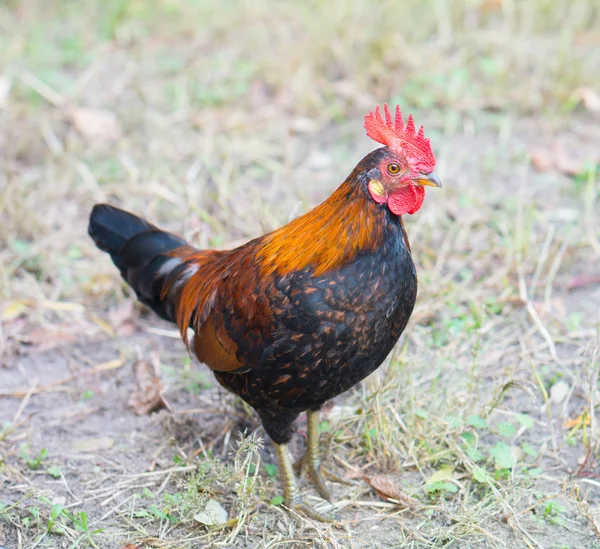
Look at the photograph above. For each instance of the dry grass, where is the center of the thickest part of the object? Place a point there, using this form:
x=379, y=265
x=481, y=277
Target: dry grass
x=224, y=122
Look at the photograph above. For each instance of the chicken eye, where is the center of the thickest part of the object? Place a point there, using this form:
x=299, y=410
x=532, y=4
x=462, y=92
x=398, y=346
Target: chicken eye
x=393, y=168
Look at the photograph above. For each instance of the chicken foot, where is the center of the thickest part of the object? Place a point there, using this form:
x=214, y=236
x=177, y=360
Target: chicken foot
x=291, y=495
x=311, y=461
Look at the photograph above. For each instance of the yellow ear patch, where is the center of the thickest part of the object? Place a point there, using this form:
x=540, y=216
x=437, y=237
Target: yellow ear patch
x=376, y=187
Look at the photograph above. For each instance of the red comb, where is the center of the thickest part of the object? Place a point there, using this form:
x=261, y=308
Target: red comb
x=403, y=139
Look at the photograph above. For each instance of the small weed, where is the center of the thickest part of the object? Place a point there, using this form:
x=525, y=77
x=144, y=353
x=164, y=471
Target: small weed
x=270, y=469
x=591, y=172
x=88, y=394
x=440, y=488
x=277, y=500
x=53, y=518
x=551, y=512
x=528, y=449
x=503, y=455
x=80, y=521
x=33, y=462
x=477, y=422
x=525, y=420
x=54, y=471
x=506, y=429
x=210, y=478
x=179, y=461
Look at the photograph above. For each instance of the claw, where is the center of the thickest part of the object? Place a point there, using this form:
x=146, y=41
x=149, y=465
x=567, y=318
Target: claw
x=291, y=494
x=309, y=463
x=316, y=479
x=314, y=473
x=300, y=507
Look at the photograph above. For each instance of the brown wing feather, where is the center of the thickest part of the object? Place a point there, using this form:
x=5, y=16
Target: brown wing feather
x=215, y=283
x=216, y=349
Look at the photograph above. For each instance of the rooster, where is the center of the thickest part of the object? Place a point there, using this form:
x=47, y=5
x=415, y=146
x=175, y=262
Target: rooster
x=297, y=316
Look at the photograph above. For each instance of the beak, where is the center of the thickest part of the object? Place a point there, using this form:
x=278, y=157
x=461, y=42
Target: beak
x=428, y=180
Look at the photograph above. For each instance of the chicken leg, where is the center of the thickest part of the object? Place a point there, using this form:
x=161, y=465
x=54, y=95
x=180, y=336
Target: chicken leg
x=311, y=461
x=291, y=494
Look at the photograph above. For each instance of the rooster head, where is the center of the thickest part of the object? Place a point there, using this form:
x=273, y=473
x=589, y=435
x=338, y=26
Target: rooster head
x=406, y=168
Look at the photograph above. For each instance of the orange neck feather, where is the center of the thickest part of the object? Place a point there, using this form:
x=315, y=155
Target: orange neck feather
x=328, y=236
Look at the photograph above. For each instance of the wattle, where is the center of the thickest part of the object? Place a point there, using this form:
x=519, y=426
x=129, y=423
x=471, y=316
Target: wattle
x=406, y=200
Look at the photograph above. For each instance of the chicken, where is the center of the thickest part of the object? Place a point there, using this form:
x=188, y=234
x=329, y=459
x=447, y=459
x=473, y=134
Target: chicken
x=295, y=317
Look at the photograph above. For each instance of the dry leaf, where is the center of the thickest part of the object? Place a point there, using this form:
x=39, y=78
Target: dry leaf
x=542, y=159
x=46, y=339
x=213, y=514
x=147, y=397
x=95, y=124
x=578, y=421
x=559, y=156
x=130, y=546
x=91, y=444
x=545, y=160
x=387, y=489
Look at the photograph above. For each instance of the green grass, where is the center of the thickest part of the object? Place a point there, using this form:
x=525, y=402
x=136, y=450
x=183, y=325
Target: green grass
x=229, y=122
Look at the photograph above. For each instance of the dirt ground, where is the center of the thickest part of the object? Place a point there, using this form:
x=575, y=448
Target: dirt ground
x=481, y=430
x=73, y=399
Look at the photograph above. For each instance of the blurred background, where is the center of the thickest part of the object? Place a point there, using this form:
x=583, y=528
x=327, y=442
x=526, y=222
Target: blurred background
x=223, y=120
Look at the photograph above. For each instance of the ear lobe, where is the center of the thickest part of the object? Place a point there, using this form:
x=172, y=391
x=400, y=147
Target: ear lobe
x=377, y=191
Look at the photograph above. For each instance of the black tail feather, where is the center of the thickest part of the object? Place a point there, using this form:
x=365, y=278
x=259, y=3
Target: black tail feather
x=139, y=250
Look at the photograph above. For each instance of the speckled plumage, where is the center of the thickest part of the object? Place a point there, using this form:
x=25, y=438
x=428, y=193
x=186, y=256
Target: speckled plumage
x=276, y=327
x=328, y=332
